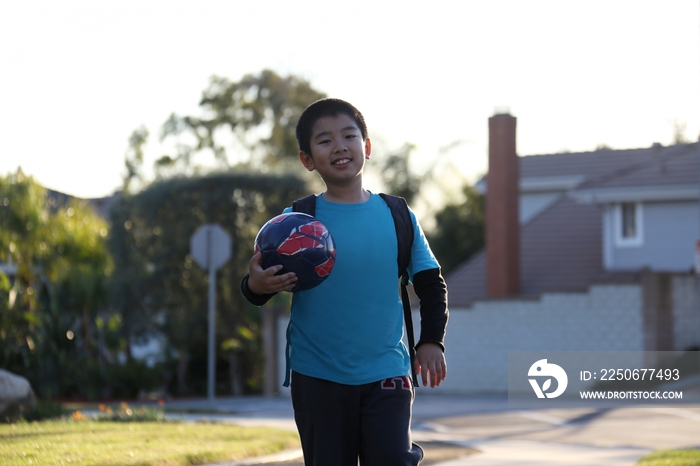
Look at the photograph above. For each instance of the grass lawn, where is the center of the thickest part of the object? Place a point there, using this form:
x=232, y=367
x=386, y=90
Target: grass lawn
x=66, y=442
x=671, y=458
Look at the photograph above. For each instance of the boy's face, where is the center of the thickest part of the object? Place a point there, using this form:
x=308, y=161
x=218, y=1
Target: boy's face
x=338, y=151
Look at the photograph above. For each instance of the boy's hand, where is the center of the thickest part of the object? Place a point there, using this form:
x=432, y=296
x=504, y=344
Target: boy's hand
x=264, y=281
x=430, y=362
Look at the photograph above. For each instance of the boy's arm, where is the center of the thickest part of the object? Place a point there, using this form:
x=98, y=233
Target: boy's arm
x=260, y=285
x=430, y=359
x=253, y=298
x=432, y=292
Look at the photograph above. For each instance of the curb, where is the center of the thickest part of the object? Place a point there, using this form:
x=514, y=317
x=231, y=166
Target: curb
x=285, y=455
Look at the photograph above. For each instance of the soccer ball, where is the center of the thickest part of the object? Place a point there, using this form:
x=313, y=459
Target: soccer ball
x=302, y=245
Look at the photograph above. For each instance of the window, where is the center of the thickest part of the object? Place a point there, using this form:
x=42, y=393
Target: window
x=628, y=224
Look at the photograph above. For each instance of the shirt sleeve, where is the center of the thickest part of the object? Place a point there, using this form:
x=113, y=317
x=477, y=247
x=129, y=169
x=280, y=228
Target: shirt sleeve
x=434, y=314
x=430, y=288
x=254, y=298
x=422, y=257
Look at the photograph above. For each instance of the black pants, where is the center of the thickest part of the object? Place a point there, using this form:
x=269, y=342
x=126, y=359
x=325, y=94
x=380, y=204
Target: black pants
x=340, y=423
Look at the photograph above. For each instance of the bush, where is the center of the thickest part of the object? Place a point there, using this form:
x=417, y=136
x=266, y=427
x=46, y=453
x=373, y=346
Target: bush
x=46, y=410
x=125, y=381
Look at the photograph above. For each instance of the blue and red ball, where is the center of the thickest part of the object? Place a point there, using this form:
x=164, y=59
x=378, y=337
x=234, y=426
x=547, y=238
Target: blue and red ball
x=301, y=244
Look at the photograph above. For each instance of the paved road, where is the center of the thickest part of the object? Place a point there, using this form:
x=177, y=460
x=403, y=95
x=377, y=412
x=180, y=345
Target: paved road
x=503, y=436
x=581, y=436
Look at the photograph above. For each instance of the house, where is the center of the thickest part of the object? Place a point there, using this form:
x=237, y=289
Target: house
x=592, y=251
x=597, y=217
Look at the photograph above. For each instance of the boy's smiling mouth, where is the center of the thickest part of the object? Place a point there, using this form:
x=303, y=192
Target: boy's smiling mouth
x=342, y=161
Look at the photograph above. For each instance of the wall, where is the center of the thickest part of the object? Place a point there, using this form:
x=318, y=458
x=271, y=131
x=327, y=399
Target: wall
x=607, y=318
x=686, y=311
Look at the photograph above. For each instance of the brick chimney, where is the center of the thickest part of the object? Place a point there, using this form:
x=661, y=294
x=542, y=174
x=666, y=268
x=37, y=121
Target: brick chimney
x=502, y=217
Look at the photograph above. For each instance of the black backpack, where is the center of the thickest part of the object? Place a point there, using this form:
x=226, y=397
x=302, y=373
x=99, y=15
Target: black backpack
x=404, y=237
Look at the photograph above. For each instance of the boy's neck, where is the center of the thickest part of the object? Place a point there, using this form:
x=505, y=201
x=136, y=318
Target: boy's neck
x=346, y=194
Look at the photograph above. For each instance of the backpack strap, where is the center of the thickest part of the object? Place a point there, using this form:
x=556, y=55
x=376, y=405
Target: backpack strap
x=404, y=236
x=305, y=205
x=404, y=231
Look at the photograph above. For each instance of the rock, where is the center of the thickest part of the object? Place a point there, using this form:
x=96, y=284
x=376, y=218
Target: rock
x=16, y=396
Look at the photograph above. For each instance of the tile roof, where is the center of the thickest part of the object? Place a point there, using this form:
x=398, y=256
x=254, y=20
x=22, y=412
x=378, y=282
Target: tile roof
x=631, y=167
x=671, y=166
x=592, y=165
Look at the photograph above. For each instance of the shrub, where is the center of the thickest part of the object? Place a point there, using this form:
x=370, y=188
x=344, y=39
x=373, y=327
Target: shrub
x=46, y=410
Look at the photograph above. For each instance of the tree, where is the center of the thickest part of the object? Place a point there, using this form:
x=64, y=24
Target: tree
x=255, y=116
x=23, y=216
x=679, y=128
x=59, y=287
x=397, y=176
x=133, y=161
x=158, y=289
x=459, y=230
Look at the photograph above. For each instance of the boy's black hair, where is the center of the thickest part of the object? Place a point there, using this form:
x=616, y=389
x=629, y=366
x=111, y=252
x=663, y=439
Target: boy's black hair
x=323, y=108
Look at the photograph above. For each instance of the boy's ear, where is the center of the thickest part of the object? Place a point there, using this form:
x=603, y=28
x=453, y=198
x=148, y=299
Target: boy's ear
x=307, y=161
x=368, y=148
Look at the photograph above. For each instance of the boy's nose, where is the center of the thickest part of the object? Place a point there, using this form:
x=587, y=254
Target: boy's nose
x=340, y=147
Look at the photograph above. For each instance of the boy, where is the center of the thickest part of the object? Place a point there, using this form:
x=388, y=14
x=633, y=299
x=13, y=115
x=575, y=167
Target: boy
x=351, y=392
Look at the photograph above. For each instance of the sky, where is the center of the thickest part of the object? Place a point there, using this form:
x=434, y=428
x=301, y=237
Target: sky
x=77, y=77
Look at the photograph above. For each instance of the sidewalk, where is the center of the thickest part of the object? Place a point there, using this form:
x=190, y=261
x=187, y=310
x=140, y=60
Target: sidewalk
x=501, y=435
x=523, y=453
